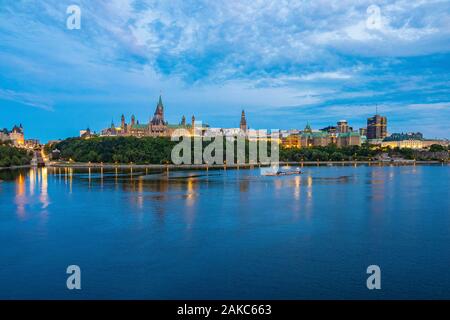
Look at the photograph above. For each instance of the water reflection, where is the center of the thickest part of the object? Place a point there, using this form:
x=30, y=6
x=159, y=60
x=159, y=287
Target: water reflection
x=190, y=196
x=31, y=187
x=377, y=182
x=309, y=197
x=32, y=181
x=244, y=185
x=140, y=193
x=44, y=188
x=70, y=172
x=309, y=184
x=197, y=225
x=20, y=199
x=151, y=190
x=297, y=182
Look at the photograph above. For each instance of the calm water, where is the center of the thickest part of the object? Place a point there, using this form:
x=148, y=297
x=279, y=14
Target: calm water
x=226, y=234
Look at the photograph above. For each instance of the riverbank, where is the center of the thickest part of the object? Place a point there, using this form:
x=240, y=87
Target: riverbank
x=82, y=165
x=28, y=166
x=79, y=165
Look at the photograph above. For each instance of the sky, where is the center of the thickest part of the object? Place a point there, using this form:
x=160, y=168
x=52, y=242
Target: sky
x=285, y=62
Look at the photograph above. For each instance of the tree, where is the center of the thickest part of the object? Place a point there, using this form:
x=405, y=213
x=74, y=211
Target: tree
x=12, y=156
x=437, y=148
x=337, y=156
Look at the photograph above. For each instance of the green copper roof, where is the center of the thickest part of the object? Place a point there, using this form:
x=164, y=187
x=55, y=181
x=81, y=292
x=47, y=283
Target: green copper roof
x=178, y=126
x=314, y=135
x=320, y=134
x=349, y=134
x=139, y=126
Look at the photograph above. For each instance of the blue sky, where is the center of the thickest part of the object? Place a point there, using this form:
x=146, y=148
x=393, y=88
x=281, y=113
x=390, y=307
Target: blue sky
x=285, y=62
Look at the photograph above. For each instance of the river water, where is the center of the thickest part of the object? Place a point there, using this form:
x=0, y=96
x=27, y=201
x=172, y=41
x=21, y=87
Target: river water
x=226, y=234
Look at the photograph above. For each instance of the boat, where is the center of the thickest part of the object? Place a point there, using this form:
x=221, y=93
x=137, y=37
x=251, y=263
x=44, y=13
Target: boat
x=283, y=173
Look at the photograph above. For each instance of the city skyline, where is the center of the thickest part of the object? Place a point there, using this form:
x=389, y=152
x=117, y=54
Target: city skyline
x=203, y=59
x=246, y=153
x=131, y=120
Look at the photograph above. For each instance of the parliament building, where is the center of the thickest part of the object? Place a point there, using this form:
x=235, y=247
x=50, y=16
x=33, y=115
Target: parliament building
x=157, y=126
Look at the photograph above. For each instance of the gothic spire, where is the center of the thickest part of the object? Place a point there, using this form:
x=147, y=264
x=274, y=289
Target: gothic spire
x=243, y=123
x=158, y=118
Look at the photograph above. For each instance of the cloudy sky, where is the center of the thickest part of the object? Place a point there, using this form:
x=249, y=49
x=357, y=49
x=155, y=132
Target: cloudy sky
x=285, y=62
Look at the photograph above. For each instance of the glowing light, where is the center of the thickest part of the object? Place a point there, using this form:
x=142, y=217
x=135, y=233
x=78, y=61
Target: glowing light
x=20, y=196
x=44, y=187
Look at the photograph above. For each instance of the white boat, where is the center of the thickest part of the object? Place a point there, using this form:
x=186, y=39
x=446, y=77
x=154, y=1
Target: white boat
x=283, y=173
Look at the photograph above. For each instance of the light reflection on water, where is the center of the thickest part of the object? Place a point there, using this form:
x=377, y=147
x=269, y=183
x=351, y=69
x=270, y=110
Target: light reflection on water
x=179, y=235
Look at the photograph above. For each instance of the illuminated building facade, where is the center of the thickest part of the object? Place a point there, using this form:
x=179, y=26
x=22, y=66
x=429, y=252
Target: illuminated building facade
x=412, y=140
x=323, y=138
x=16, y=135
x=291, y=141
x=413, y=144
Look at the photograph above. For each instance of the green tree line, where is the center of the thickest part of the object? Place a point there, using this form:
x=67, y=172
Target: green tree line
x=364, y=152
x=115, y=149
x=12, y=156
x=329, y=153
x=157, y=150
x=145, y=150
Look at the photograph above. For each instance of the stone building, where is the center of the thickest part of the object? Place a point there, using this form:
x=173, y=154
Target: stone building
x=156, y=127
x=348, y=139
x=15, y=136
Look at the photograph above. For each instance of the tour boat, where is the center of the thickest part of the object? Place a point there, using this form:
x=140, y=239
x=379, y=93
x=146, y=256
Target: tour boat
x=283, y=173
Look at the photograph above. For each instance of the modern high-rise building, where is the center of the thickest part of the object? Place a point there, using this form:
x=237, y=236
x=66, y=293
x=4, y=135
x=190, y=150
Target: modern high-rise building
x=376, y=127
x=342, y=126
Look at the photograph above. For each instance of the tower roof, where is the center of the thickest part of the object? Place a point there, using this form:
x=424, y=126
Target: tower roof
x=159, y=106
x=158, y=118
x=243, y=123
x=17, y=129
x=308, y=127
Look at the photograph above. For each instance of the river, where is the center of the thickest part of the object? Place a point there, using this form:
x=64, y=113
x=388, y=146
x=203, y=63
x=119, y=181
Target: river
x=226, y=234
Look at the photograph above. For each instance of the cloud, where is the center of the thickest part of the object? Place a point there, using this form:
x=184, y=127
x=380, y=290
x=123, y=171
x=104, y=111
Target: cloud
x=430, y=106
x=296, y=59
x=27, y=99
x=228, y=39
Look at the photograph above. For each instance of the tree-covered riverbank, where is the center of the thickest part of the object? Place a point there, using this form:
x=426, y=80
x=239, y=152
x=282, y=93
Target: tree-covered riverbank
x=151, y=150
x=114, y=149
x=12, y=156
x=364, y=152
